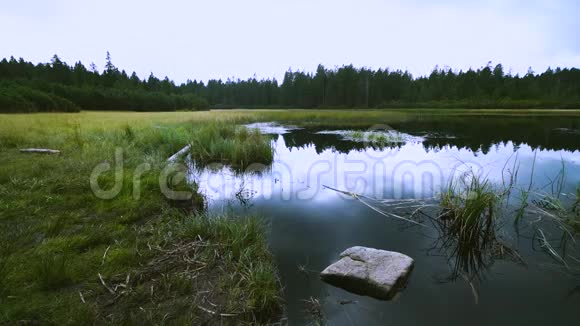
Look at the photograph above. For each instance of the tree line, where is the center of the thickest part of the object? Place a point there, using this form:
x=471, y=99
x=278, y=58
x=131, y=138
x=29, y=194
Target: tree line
x=347, y=86
x=57, y=86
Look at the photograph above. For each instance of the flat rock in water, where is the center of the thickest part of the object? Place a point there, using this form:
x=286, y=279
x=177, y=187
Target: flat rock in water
x=367, y=271
x=40, y=150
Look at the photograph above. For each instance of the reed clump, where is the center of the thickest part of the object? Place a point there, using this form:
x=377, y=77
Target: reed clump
x=467, y=219
x=232, y=145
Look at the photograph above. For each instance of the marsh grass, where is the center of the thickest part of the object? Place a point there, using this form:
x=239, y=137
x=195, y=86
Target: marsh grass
x=314, y=310
x=236, y=146
x=471, y=209
x=559, y=210
x=56, y=236
x=3, y=273
x=243, y=244
x=467, y=222
x=51, y=271
x=206, y=270
x=377, y=138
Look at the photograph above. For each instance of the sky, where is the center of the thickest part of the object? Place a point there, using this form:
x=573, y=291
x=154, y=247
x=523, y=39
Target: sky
x=231, y=38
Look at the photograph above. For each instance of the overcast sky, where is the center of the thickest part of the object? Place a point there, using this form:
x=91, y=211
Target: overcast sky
x=224, y=38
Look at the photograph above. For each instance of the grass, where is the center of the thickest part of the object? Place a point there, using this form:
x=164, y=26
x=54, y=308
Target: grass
x=471, y=209
x=51, y=271
x=468, y=221
x=236, y=146
x=57, y=239
x=378, y=138
x=314, y=310
x=207, y=269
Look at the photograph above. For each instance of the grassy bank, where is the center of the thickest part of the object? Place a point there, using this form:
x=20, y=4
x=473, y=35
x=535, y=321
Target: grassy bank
x=70, y=257
x=232, y=145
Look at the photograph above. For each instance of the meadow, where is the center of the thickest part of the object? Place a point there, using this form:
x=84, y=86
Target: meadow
x=70, y=257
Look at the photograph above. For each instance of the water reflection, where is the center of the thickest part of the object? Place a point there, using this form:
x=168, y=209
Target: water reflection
x=410, y=170
x=310, y=224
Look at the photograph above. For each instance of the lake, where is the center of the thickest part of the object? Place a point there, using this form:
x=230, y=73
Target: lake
x=399, y=167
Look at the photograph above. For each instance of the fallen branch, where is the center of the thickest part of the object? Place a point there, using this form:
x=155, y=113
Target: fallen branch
x=360, y=197
x=178, y=154
x=39, y=150
x=105, y=284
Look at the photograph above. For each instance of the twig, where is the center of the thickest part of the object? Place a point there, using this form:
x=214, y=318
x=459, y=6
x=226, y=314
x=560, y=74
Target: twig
x=215, y=313
x=105, y=284
x=105, y=255
x=359, y=198
x=82, y=298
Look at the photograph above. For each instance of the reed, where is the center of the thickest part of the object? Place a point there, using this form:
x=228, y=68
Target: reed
x=468, y=221
x=232, y=145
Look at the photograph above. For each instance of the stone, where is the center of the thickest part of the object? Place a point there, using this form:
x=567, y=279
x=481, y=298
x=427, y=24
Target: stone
x=372, y=272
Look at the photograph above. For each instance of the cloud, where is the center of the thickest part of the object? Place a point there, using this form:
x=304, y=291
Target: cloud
x=209, y=39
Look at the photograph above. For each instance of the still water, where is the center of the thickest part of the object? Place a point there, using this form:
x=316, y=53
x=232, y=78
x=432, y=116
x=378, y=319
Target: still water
x=310, y=224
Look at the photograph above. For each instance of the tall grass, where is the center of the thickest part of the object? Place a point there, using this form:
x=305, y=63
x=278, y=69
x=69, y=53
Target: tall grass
x=468, y=214
x=378, y=138
x=48, y=207
x=471, y=207
x=51, y=271
x=243, y=244
x=239, y=246
x=229, y=144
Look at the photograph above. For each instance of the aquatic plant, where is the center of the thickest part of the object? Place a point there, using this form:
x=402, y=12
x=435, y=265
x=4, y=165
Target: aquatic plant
x=313, y=309
x=377, y=137
x=467, y=221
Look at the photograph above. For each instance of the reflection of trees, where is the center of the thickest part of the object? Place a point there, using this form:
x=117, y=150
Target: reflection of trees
x=483, y=132
x=473, y=133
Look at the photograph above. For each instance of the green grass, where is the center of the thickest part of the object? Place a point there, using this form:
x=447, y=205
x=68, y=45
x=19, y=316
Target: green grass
x=378, y=138
x=51, y=271
x=207, y=269
x=471, y=208
x=229, y=144
x=56, y=236
x=468, y=221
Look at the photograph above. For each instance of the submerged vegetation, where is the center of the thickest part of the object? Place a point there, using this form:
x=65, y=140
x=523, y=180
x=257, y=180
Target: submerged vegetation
x=468, y=224
x=473, y=211
x=468, y=220
x=68, y=257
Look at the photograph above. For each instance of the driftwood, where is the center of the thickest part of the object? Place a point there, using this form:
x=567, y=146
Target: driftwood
x=174, y=157
x=40, y=150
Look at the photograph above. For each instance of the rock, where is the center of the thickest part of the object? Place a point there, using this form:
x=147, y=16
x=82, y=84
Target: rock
x=40, y=150
x=367, y=271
